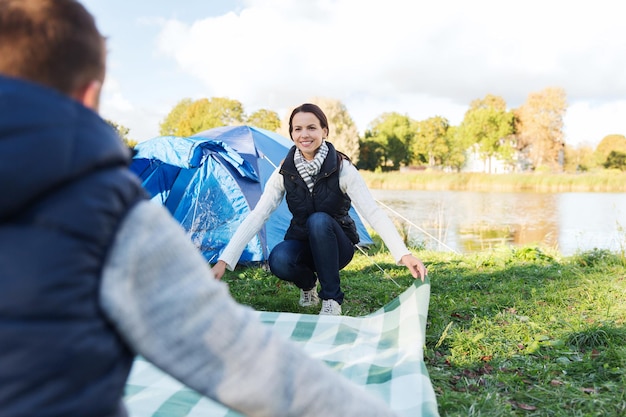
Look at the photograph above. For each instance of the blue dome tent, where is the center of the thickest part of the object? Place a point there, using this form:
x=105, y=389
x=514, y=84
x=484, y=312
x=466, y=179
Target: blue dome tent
x=212, y=180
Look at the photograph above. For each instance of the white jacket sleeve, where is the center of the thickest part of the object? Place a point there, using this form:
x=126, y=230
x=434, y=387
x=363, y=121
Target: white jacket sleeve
x=159, y=293
x=269, y=201
x=353, y=184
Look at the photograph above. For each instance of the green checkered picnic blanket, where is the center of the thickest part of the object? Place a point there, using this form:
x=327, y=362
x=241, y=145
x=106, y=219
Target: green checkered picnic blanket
x=382, y=351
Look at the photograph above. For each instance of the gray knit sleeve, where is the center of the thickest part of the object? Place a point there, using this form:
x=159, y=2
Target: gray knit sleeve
x=160, y=294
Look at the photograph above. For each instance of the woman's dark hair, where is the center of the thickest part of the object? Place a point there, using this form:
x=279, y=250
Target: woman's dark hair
x=309, y=108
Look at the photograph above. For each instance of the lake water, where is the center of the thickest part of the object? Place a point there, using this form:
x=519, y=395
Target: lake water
x=467, y=221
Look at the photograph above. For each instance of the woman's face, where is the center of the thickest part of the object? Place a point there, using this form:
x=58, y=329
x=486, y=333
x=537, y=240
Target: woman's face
x=307, y=134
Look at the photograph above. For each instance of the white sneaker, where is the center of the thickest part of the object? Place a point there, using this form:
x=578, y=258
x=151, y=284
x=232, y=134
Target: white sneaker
x=309, y=298
x=330, y=308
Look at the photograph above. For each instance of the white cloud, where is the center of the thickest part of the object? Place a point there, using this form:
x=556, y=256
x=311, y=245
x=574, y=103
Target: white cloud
x=588, y=123
x=422, y=58
x=113, y=99
x=142, y=121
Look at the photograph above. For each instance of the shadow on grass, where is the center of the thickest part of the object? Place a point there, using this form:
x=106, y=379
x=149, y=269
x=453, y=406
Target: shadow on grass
x=510, y=333
x=512, y=336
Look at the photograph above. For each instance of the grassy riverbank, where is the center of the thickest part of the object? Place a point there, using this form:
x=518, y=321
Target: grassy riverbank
x=601, y=181
x=511, y=332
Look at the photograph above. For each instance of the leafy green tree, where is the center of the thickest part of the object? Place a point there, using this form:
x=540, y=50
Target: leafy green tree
x=616, y=160
x=455, y=157
x=265, y=119
x=607, y=145
x=431, y=141
x=371, y=155
x=539, y=126
x=490, y=126
x=394, y=133
x=122, y=132
x=489, y=102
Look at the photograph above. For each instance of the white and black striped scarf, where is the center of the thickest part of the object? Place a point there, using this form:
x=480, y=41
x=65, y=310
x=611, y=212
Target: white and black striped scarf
x=308, y=170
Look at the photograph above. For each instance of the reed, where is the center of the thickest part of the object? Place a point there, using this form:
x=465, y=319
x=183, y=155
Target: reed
x=601, y=181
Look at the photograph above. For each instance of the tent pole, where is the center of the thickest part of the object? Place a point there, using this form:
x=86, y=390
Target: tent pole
x=416, y=226
x=378, y=266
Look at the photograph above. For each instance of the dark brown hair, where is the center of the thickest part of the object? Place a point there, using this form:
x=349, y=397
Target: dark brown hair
x=309, y=108
x=51, y=42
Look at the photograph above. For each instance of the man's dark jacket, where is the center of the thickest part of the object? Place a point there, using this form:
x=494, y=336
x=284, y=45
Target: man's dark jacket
x=64, y=188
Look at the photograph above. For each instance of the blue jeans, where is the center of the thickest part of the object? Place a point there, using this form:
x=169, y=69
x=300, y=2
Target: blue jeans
x=327, y=251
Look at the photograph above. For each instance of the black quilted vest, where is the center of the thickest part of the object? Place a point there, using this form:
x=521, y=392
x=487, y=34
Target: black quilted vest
x=326, y=196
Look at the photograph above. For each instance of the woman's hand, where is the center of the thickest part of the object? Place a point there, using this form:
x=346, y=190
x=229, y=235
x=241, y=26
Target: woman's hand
x=416, y=266
x=218, y=269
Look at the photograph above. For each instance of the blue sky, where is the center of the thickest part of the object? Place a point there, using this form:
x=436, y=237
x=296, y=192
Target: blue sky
x=415, y=57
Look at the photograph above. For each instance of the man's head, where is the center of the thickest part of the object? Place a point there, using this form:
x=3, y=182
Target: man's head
x=55, y=43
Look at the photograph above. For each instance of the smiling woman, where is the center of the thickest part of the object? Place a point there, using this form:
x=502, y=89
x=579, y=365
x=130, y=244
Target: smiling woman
x=319, y=184
x=307, y=135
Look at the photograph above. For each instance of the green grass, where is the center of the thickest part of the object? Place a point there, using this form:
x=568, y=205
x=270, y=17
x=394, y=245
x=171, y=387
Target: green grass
x=511, y=332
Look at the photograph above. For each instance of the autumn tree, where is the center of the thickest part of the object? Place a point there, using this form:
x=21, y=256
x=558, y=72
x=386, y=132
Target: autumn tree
x=394, y=133
x=169, y=126
x=122, y=132
x=190, y=117
x=539, y=125
x=265, y=119
x=196, y=119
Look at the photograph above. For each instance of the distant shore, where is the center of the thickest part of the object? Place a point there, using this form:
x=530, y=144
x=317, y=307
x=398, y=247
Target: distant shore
x=602, y=181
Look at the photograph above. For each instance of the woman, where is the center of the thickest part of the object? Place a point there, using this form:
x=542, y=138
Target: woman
x=319, y=184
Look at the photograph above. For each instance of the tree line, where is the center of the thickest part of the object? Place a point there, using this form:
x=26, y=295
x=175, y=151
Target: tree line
x=528, y=138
